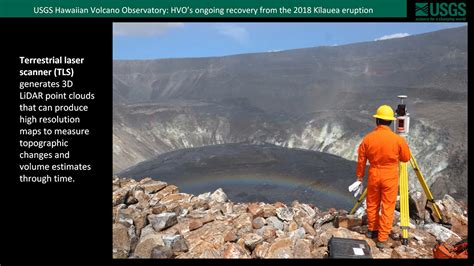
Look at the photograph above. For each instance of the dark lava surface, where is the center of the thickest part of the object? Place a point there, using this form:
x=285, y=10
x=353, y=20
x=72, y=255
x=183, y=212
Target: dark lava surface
x=250, y=173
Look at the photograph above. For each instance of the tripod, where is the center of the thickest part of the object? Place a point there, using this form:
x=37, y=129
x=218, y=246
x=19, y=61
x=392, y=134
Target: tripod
x=401, y=127
x=403, y=190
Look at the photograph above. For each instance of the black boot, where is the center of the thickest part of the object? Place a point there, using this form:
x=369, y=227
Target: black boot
x=381, y=244
x=371, y=234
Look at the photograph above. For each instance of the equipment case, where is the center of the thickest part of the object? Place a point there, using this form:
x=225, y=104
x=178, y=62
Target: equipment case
x=348, y=248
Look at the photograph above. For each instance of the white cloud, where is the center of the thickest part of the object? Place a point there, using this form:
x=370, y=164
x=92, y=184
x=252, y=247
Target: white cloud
x=392, y=36
x=236, y=32
x=143, y=29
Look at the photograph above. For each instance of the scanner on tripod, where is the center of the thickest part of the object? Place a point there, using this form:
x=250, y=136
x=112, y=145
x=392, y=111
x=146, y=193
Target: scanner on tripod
x=402, y=122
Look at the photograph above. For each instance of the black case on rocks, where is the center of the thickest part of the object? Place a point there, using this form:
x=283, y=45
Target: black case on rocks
x=339, y=248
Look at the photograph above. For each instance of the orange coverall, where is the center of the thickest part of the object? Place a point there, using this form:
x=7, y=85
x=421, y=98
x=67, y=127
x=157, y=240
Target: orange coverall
x=384, y=149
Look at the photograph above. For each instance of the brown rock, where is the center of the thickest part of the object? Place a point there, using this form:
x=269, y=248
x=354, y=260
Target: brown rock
x=127, y=182
x=195, y=224
x=152, y=186
x=320, y=252
x=449, y=205
x=325, y=235
x=241, y=242
x=243, y=224
x=267, y=232
x=162, y=193
x=303, y=214
x=269, y=210
x=119, y=196
x=130, y=200
x=302, y=248
x=211, y=253
x=261, y=250
x=227, y=208
x=281, y=248
x=146, y=244
x=209, y=236
x=405, y=252
x=145, y=180
x=121, y=241
x=141, y=197
x=140, y=221
x=318, y=241
x=177, y=197
x=197, y=214
x=207, y=218
x=240, y=208
x=459, y=224
x=347, y=221
x=230, y=237
x=309, y=229
x=251, y=240
x=159, y=208
x=280, y=234
x=234, y=251
x=279, y=205
x=255, y=209
x=258, y=222
x=292, y=226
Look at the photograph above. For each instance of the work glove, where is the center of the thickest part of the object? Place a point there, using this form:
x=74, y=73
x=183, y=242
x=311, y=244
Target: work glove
x=357, y=187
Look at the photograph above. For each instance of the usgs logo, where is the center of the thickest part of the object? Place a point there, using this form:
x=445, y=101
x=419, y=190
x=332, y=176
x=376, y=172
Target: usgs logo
x=441, y=9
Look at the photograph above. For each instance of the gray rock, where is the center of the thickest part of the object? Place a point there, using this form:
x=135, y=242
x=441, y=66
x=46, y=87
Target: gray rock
x=298, y=233
x=204, y=196
x=275, y=222
x=323, y=218
x=161, y=252
x=441, y=233
x=285, y=213
x=147, y=230
x=219, y=196
x=177, y=243
x=163, y=220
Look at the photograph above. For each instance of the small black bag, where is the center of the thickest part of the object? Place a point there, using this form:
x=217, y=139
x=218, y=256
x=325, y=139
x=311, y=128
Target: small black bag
x=347, y=248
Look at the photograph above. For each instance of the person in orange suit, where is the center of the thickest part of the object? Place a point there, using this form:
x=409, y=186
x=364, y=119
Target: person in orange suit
x=383, y=149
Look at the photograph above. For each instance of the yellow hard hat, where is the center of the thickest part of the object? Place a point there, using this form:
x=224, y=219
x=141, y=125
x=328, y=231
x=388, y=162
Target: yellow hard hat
x=384, y=112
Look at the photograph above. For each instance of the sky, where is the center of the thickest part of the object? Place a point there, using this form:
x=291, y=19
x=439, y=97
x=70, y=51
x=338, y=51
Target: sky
x=178, y=40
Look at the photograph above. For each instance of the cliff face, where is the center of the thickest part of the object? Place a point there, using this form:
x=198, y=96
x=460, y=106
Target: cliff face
x=318, y=98
x=152, y=219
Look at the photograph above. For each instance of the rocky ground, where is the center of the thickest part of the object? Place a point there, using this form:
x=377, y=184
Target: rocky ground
x=152, y=219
